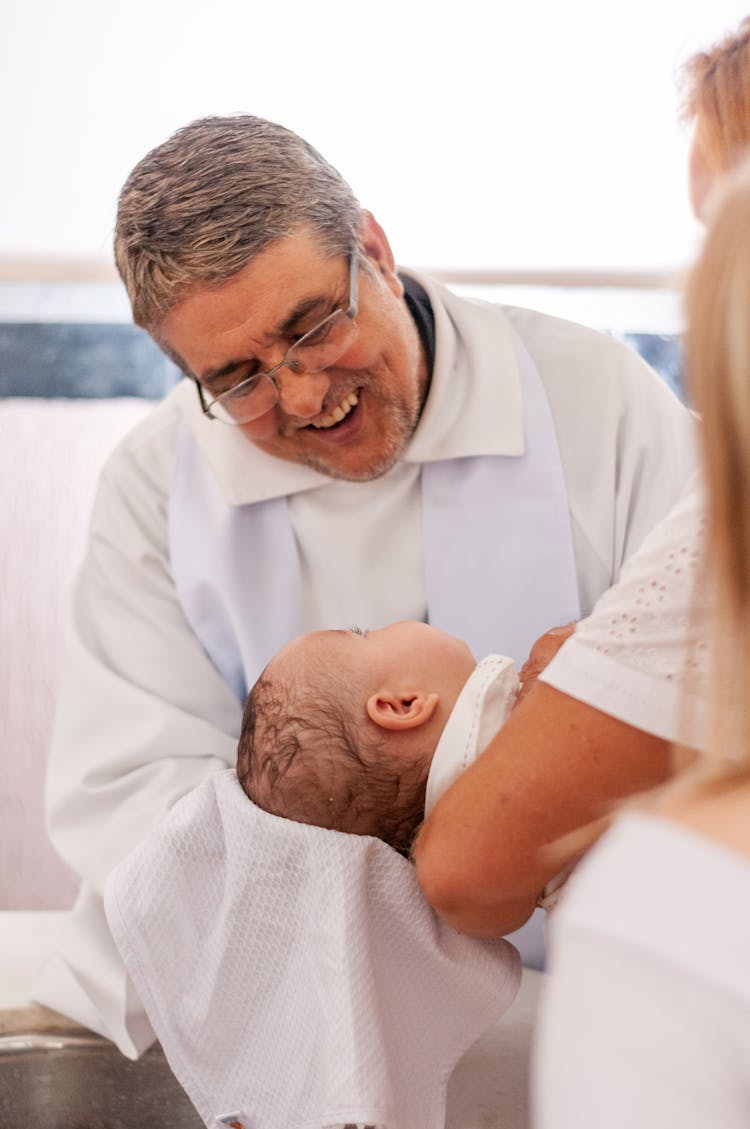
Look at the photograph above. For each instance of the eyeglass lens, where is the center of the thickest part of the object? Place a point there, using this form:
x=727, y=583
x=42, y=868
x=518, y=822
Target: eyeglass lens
x=314, y=352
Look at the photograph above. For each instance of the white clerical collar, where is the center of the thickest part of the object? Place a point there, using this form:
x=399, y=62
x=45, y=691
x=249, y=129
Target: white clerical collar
x=481, y=709
x=474, y=406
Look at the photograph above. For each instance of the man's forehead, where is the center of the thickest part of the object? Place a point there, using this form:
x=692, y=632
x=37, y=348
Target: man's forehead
x=285, y=280
x=296, y=261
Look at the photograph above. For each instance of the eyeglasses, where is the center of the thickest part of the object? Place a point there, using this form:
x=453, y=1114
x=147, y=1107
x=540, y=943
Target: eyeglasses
x=315, y=351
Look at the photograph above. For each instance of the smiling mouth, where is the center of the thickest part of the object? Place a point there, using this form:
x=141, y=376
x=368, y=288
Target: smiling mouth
x=338, y=414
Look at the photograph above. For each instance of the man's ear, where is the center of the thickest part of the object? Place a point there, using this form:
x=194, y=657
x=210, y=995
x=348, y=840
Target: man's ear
x=374, y=243
x=402, y=711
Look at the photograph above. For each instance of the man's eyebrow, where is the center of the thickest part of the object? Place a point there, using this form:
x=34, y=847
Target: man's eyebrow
x=302, y=309
x=210, y=376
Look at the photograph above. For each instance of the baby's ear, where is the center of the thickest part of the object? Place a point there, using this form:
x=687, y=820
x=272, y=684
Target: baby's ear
x=402, y=711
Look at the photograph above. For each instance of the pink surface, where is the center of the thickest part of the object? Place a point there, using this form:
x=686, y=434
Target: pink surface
x=50, y=455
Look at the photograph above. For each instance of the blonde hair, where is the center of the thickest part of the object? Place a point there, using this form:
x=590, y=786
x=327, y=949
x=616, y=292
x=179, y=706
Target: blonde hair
x=716, y=95
x=718, y=357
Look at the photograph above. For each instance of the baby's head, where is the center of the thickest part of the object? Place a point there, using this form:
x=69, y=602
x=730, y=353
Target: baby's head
x=340, y=728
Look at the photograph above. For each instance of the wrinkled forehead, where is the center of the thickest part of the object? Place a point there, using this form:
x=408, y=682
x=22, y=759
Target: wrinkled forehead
x=254, y=301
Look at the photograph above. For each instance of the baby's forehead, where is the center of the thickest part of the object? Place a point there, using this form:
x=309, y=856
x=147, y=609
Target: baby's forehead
x=306, y=652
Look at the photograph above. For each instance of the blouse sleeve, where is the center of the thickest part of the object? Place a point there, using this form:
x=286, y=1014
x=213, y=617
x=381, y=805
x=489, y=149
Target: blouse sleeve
x=641, y=655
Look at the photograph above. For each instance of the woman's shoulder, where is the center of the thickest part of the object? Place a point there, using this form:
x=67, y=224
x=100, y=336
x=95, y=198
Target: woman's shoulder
x=720, y=811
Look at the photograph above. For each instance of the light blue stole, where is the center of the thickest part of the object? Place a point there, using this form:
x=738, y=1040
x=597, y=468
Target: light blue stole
x=499, y=563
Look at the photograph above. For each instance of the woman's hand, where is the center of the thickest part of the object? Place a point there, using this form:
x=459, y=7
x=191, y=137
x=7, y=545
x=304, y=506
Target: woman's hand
x=542, y=653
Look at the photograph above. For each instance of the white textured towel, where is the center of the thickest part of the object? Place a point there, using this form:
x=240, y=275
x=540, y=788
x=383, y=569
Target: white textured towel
x=481, y=709
x=296, y=977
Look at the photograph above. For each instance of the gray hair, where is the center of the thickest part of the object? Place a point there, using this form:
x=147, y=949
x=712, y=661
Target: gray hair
x=200, y=206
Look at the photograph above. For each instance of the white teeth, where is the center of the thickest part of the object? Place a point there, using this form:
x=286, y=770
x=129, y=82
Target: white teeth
x=338, y=413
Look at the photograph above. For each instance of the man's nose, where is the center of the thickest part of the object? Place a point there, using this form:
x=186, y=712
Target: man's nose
x=301, y=394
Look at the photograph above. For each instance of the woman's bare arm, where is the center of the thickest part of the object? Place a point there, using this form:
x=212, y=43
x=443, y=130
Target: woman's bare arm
x=556, y=766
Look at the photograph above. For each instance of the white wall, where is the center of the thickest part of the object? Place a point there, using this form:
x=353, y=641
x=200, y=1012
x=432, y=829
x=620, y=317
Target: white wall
x=480, y=134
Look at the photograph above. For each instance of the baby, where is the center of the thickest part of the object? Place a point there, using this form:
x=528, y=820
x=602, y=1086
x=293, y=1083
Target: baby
x=341, y=728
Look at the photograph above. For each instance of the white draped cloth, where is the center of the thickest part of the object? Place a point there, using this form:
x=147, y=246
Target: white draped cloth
x=296, y=976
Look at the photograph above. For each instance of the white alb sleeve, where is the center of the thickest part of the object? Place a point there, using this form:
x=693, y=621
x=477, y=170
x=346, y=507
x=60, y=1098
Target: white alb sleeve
x=143, y=715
